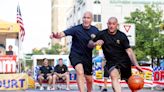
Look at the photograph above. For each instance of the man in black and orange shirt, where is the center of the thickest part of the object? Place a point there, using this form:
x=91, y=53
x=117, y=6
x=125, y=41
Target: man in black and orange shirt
x=61, y=72
x=45, y=73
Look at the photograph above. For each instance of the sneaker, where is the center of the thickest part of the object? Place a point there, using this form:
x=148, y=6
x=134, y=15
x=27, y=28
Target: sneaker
x=104, y=90
x=41, y=88
x=53, y=88
x=67, y=88
x=48, y=88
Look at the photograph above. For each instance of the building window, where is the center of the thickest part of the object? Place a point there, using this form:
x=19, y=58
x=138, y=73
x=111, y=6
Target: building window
x=78, y=9
x=79, y=21
x=94, y=17
x=97, y=18
x=80, y=1
x=74, y=10
x=83, y=4
x=97, y=2
x=71, y=16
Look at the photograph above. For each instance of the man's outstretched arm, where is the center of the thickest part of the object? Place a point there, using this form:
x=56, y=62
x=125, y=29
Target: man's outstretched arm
x=57, y=35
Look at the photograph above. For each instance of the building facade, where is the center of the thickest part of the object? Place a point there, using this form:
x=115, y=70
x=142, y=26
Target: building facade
x=59, y=10
x=103, y=9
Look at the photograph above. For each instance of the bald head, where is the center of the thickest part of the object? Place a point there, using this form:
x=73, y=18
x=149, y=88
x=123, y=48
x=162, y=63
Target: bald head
x=113, y=19
x=87, y=19
x=112, y=25
x=88, y=13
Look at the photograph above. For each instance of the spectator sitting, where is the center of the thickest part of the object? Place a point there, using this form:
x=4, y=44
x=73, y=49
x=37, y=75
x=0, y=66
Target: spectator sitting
x=2, y=45
x=61, y=73
x=10, y=52
x=2, y=50
x=45, y=73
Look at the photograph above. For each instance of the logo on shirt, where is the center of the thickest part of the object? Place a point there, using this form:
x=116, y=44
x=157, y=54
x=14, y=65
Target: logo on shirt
x=62, y=69
x=118, y=41
x=93, y=36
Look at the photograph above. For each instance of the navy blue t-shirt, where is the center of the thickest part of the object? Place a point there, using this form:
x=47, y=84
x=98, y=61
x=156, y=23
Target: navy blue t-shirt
x=46, y=69
x=80, y=39
x=61, y=69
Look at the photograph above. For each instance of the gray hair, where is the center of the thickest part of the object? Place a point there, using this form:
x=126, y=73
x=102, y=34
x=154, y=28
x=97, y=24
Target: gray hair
x=88, y=12
x=113, y=18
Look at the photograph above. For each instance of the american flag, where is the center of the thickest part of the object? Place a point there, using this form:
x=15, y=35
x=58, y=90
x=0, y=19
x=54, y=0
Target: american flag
x=20, y=22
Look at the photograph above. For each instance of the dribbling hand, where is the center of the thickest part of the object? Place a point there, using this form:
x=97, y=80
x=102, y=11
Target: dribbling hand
x=139, y=68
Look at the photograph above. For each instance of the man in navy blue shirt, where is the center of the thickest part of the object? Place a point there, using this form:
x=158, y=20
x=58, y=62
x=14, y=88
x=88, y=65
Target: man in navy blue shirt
x=81, y=55
x=45, y=73
x=61, y=73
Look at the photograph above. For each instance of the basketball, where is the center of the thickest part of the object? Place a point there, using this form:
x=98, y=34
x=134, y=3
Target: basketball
x=135, y=82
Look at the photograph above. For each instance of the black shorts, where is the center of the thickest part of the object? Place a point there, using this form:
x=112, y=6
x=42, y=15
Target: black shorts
x=87, y=65
x=106, y=72
x=45, y=76
x=123, y=68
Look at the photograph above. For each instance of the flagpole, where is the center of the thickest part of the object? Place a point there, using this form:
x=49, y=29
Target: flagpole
x=21, y=37
x=18, y=43
x=19, y=62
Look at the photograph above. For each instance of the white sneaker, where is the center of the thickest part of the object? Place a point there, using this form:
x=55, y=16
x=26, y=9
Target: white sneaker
x=48, y=88
x=67, y=88
x=53, y=88
x=41, y=88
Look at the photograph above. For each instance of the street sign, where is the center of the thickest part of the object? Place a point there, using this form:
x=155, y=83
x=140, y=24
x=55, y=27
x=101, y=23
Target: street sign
x=129, y=30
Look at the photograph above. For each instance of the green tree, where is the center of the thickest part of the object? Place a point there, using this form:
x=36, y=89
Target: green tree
x=37, y=52
x=55, y=49
x=148, y=39
x=28, y=61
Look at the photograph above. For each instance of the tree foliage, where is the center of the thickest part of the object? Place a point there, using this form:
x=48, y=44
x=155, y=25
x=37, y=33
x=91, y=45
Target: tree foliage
x=149, y=42
x=55, y=49
x=37, y=52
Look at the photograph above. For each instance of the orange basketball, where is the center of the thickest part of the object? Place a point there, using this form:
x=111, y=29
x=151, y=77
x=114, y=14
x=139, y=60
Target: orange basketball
x=135, y=82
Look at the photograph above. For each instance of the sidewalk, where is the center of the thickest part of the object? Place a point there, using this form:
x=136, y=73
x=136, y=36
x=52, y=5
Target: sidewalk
x=75, y=90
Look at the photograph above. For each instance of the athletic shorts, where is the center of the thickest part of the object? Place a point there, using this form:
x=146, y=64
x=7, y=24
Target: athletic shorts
x=87, y=65
x=123, y=68
x=106, y=72
x=45, y=76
